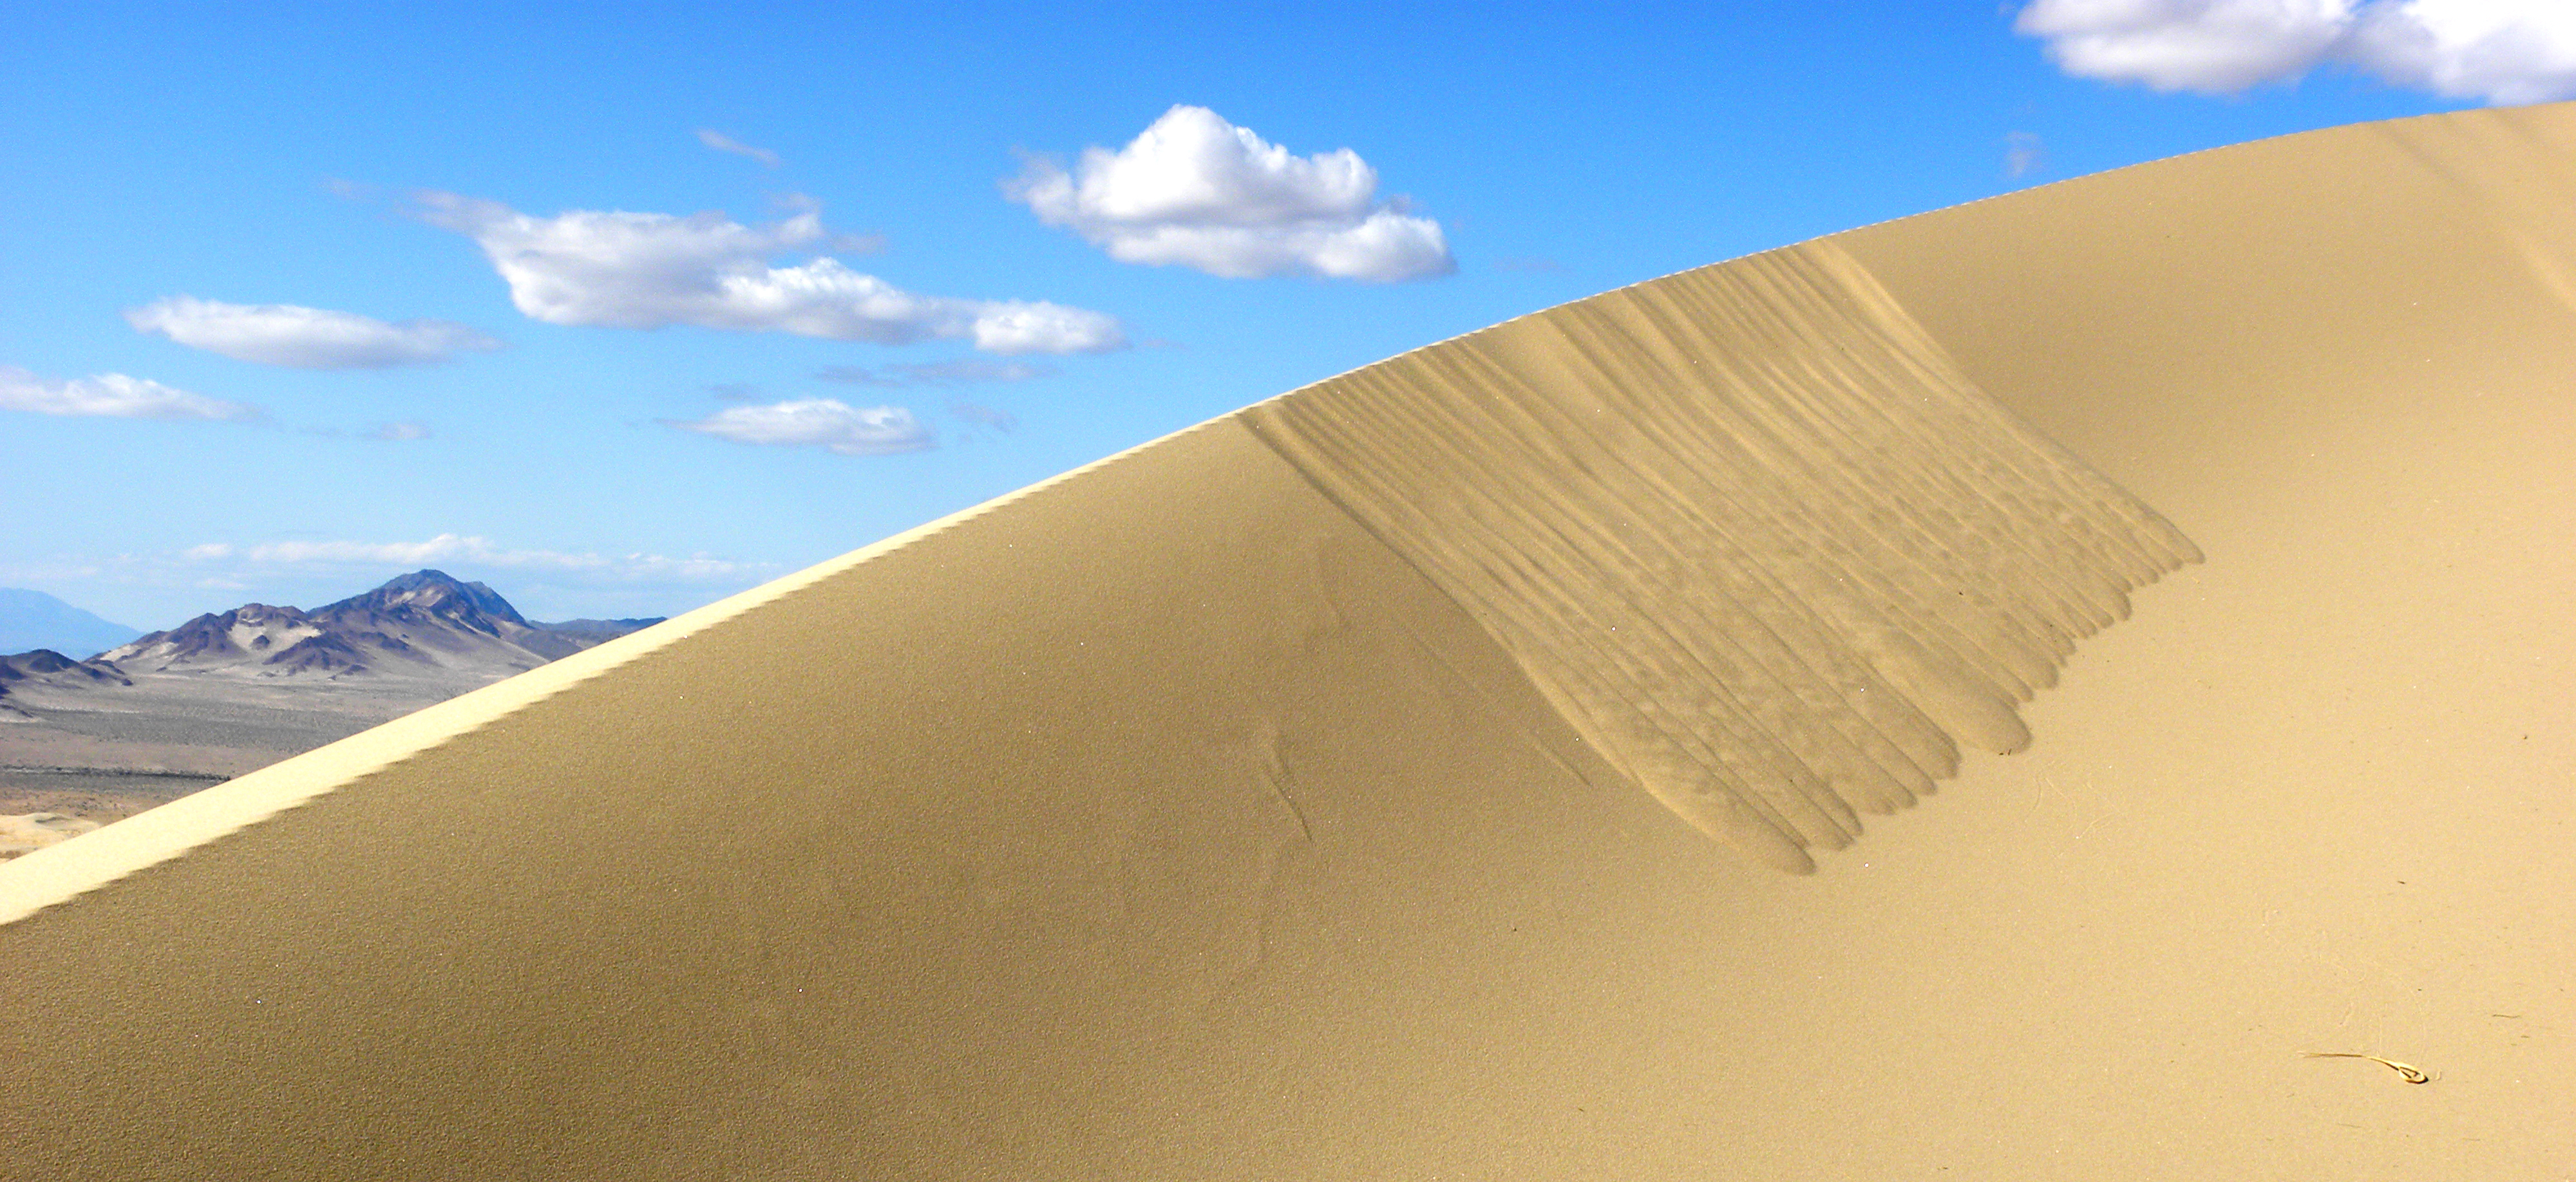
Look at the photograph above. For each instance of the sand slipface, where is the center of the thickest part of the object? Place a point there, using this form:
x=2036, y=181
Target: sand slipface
x=1747, y=527
x=1327, y=791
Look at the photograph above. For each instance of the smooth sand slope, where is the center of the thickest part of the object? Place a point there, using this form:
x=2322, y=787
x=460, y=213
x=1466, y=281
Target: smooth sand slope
x=1394, y=780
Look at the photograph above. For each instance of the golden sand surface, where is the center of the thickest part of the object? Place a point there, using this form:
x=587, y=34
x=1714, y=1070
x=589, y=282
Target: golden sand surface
x=1274, y=800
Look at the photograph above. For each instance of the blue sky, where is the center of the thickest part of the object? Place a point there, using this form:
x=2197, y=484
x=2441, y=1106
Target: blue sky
x=626, y=308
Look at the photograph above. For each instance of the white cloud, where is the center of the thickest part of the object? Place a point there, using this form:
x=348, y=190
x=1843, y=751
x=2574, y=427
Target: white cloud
x=725, y=143
x=400, y=432
x=2214, y=46
x=111, y=395
x=463, y=549
x=2502, y=51
x=306, y=338
x=1013, y=327
x=443, y=548
x=818, y=422
x=1201, y=192
x=962, y=371
x=647, y=270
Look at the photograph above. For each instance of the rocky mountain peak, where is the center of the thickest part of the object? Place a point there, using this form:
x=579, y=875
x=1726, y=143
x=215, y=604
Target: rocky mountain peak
x=435, y=593
x=424, y=624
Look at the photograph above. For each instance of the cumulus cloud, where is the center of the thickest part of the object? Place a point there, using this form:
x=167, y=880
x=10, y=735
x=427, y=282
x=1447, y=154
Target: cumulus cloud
x=306, y=338
x=111, y=395
x=725, y=143
x=2216, y=46
x=827, y=423
x=463, y=549
x=2502, y=51
x=1201, y=192
x=960, y=372
x=647, y=270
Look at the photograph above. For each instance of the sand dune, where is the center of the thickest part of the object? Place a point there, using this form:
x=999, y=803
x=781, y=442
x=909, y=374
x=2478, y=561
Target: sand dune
x=1275, y=800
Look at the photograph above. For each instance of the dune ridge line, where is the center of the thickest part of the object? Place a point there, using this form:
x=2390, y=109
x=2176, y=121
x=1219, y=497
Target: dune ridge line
x=66, y=870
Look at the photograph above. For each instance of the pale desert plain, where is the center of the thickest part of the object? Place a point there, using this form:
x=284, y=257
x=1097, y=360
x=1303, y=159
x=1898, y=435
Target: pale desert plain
x=1494, y=764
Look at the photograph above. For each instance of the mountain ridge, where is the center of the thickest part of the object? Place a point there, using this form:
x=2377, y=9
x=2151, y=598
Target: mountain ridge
x=427, y=623
x=31, y=620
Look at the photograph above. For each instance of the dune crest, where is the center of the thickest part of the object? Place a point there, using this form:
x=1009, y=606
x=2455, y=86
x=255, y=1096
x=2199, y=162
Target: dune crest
x=1748, y=528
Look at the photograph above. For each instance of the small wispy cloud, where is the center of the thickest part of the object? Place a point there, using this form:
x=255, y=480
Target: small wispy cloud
x=2023, y=154
x=111, y=395
x=725, y=143
x=304, y=338
x=999, y=420
x=399, y=432
x=1200, y=192
x=462, y=549
x=963, y=371
x=2499, y=51
x=827, y=423
x=648, y=270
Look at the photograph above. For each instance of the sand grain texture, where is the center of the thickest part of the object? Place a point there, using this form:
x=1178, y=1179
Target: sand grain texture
x=1195, y=815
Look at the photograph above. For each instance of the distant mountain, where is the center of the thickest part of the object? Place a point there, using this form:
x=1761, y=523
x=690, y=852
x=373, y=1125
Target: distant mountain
x=426, y=624
x=46, y=668
x=155, y=718
x=32, y=620
x=46, y=665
